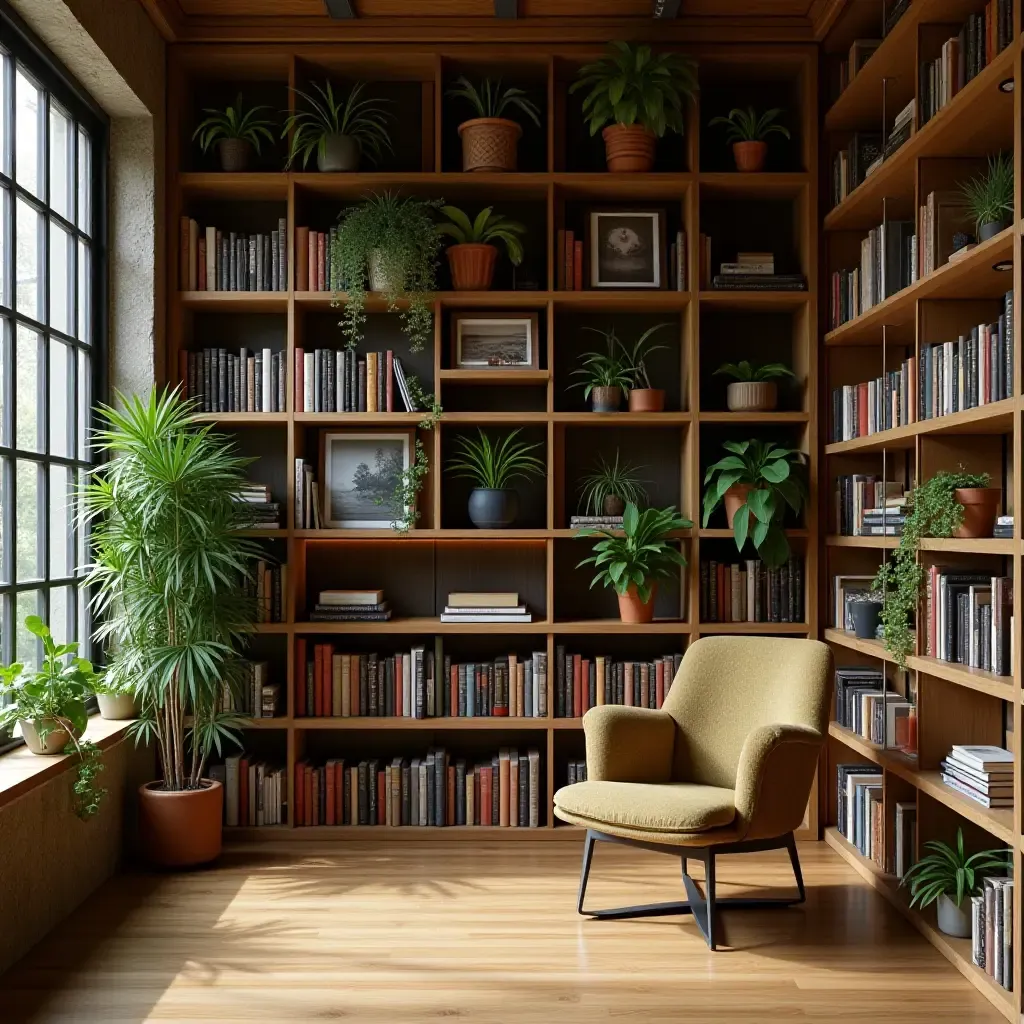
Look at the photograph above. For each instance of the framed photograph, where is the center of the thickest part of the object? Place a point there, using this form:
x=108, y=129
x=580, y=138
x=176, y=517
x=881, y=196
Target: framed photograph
x=627, y=248
x=495, y=341
x=359, y=471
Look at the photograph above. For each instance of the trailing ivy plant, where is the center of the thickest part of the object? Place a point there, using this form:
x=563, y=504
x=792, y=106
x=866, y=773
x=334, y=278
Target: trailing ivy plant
x=933, y=512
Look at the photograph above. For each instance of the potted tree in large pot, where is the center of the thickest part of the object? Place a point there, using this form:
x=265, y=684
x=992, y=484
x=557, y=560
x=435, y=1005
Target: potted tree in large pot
x=167, y=578
x=489, y=140
x=474, y=255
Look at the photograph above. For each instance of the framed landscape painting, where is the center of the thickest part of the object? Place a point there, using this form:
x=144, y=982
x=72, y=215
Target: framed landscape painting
x=360, y=471
x=495, y=341
x=626, y=248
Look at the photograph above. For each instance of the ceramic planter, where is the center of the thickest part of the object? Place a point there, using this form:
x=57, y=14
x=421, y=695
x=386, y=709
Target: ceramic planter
x=735, y=498
x=632, y=609
x=612, y=505
x=379, y=281
x=981, y=507
x=117, y=706
x=472, y=266
x=181, y=829
x=234, y=154
x=629, y=148
x=56, y=740
x=953, y=920
x=606, y=399
x=339, y=153
x=865, y=615
x=991, y=229
x=489, y=144
x=493, y=509
x=750, y=156
x=752, y=396
x=646, y=400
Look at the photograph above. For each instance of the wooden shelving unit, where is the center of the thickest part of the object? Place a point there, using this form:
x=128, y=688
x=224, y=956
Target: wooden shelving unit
x=955, y=704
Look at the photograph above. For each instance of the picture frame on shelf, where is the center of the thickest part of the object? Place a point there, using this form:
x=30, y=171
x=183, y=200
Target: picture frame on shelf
x=626, y=248
x=360, y=470
x=495, y=341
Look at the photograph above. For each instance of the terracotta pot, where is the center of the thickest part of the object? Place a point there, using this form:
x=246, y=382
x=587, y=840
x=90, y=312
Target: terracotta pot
x=180, y=830
x=629, y=148
x=606, y=399
x=117, y=706
x=472, y=266
x=56, y=740
x=981, y=506
x=489, y=144
x=234, y=154
x=612, y=505
x=646, y=400
x=750, y=156
x=752, y=396
x=631, y=609
x=734, y=499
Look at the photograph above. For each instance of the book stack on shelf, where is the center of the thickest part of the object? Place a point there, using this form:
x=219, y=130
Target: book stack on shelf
x=752, y=271
x=595, y=522
x=867, y=507
x=751, y=592
x=860, y=410
x=267, y=588
x=351, y=606
x=850, y=165
x=307, y=497
x=505, y=687
x=257, y=508
x=984, y=774
x=905, y=837
x=902, y=129
x=992, y=930
x=583, y=682
x=219, y=381
x=340, y=380
x=228, y=261
x=255, y=696
x=576, y=771
x=481, y=606
x=945, y=229
x=255, y=794
x=313, y=272
x=860, y=51
x=869, y=708
x=859, y=809
x=968, y=619
x=430, y=791
x=1003, y=527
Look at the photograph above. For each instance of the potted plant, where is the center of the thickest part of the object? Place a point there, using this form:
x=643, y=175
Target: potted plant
x=492, y=466
x=747, y=132
x=474, y=255
x=49, y=705
x=936, y=509
x=606, y=375
x=115, y=704
x=633, y=560
x=866, y=611
x=949, y=878
x=340, y=130
x=643, y=397
x=989, y=197
x=167, y=576
x=638, y=95
x=236, y=132
x=389, y=240
x=607, y=489
x=753, y=388
x=757, y=482
x=489, y=141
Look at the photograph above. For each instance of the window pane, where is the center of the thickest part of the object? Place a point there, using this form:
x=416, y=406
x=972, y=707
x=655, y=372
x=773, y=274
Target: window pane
x=84, y=292
x=60, y=609
x=60, y=282
x=26, y=646
x=29, y=286
x=5, y=251
x=27, y=373
x=61, y=180
x=61, y=371
x=61, y=534
x=29, y=104
x=81, y=529
x=5, y=119
x=5, y=519
x=84, y=181
x=83, y=625
x=6, y=369
x=27, y=539
x=84, y=404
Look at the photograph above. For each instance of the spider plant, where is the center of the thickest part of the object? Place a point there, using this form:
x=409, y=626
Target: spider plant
x=608, y=369
x=748, y=126
x=636, y=357
x=948, y=871
x=486, y=229
x=493, y=465
x=611, y=480
x=747, y=372
x=989, y=197
x=237, y=126
x=490, y=99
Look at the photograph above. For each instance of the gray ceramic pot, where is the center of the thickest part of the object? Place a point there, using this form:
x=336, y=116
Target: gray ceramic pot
x=606, y=399
x=865, y=615
x=492, y=509
x=340, y=153
x=234, y=154
x=953, y=920
x=991, y=229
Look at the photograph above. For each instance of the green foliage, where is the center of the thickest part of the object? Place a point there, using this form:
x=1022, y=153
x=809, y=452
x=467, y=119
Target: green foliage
x=489, y=99
x=495, y=464
x=168, y=563
x=632, y=85
x=364, y=120
x=611, y=479
x=747, y=372
x=747, y=126
x=776, y=476
x=234, y=123
x=636, y=357
x=641, y=554
x=948, y=871
x=989, y=197
x=54, y=697
x=398, y=232
x=934, y=512
x=608, y=369
x=487, y=229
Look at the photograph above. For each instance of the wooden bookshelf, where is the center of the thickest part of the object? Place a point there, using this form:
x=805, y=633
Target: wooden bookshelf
x=955, y=704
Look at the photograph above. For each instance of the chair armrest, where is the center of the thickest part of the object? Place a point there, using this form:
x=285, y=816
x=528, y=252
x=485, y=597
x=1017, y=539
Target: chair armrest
x=629, y=744
x=774, y=777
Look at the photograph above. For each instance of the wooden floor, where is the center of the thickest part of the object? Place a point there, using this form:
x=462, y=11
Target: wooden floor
x=407, y=932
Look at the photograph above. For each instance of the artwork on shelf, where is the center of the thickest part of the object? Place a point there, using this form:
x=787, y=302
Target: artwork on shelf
x=627, y=248
x=361, y=471
x=495, y=341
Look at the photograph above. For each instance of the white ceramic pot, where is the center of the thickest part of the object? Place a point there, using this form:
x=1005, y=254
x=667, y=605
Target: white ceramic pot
x=752, y=396
x=953, y=920
x=117, y=706
x=54, y=743
x=378, y=279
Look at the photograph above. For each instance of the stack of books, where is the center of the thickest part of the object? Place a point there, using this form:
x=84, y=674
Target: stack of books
x=576, y=771
x=266, y=586
x=860, y=51
x=850, y=165
x=755, y=271
x=313, y=271
x=859, y=814
x=992, y=930
x=869, y=708
x=982, y=773
x=351, y=606
x=228, y=261
x=340, y=380
x=219, y=381
x=751, y=592
x=595, y=522
x=1003, y=527
x=307, y=497
x=968, y=619
x=902, y=129
x=256, y=697
x=859, y=410
x=583, y=682
x=255, y=503
x=480, y=606
x=255, y=793
x=861, y=510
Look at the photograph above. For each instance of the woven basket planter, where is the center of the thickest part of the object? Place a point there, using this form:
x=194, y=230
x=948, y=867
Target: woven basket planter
x=489, y=144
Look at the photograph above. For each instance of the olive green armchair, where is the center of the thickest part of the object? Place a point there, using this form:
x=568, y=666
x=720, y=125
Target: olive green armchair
x=726, y=766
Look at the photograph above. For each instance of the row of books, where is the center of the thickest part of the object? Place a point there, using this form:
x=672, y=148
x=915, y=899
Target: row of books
x=968, y=619
x=219, y=381
x=307, y=497
x=865, y=506
x=340, y=380
x=313, y=260
x=583, y=682
x=351, y=606
x=504, y=790
x=888, y=263
x=850, y=164
x=860, y=817
x=860, y=410
x=229, y=261
x=257, y=508
x=576, y=771
x=992, y=930
x=983, y=774
x=945, y=228
x=869, y=708
x=483, y=606
x=255, y=793
x=568, y=261
x=254, y=696
x=858, y=55
x=267, y=588
x=749, y=591
x=904, y=837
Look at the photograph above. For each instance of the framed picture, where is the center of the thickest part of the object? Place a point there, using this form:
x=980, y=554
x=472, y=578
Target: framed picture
x=627, y=248
x=495, y=341
x=359, y=471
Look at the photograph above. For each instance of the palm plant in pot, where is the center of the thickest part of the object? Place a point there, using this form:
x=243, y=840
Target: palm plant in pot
x=643, y=396
x=609, y=486
x=747, y=131
x=489, y=140
x=236, y=131
x=167, y=581
x=607, y=375
x=340, y=130
x=633, y=560
x=753, y=388
x=474, y=255
x=989, y=197
x=493, y=466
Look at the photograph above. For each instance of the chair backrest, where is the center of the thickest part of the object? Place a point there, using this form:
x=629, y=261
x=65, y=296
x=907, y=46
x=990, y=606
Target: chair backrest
x=727, y=686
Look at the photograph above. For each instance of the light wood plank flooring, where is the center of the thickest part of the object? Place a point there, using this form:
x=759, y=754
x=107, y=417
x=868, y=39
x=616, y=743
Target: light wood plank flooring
x=413, y=932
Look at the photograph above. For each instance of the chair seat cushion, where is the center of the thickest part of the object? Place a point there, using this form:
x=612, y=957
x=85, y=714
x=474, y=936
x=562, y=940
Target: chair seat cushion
x=672, y=807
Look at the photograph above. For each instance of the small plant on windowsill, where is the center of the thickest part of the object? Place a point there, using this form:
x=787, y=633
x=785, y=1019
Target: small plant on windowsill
x=236, y=132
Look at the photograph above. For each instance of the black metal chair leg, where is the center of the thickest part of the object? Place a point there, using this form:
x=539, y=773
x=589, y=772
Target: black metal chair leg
x=795, y=861
x=588, y=853
x=709, y=895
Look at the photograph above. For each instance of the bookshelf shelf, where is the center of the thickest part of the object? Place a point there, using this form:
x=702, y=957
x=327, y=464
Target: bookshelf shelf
x=483, y=724
x=973, y=546
x=755, y=628
x=754, y=300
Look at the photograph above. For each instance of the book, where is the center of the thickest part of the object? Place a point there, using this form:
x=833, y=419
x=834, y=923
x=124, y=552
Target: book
x=351, y=597
x=483, y=599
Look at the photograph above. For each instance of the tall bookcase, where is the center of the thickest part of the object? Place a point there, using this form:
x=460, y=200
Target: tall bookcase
x=562, y=175
x=954, y=704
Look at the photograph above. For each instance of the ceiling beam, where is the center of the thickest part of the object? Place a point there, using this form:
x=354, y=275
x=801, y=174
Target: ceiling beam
x=167, y=16
x=666, y=8
x=506, y=8
x=339, y=9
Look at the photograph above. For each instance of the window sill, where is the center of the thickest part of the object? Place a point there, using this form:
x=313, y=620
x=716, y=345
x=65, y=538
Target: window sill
x=22, y=771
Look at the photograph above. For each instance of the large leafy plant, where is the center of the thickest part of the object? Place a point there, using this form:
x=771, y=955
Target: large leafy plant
x=169, y=563
x=611, y=480
x=490, y=99
x=948, y=871
x=486, y=229
x=774, y=474
x=746, y=372
x=641, y=554
x=748, y=126
x=989, y=197
x=494, y=464
x=235, y=122
x=633, y=85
